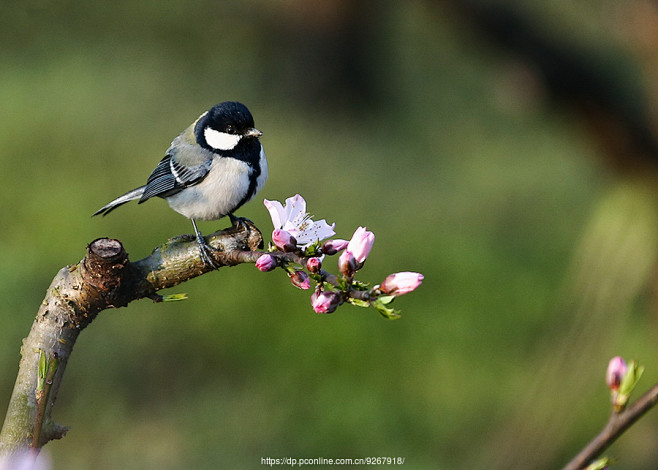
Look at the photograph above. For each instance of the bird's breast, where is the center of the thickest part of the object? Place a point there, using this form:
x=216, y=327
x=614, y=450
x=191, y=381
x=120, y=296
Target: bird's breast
x=218, y=194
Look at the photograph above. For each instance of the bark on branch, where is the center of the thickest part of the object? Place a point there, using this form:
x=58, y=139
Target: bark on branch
x=104, y=278
x=616, y=426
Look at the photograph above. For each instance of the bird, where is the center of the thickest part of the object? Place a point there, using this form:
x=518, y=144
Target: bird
x=209, y=171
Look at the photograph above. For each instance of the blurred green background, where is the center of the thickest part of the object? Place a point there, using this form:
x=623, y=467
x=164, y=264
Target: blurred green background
x=538, y=248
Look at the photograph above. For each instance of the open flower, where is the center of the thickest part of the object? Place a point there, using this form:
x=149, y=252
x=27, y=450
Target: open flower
x=294, y=219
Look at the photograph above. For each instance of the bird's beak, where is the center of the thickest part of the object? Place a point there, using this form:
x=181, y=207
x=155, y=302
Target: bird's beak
x=253, y=132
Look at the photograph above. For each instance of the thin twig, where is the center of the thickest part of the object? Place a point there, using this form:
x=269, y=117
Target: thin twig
x=617, y=424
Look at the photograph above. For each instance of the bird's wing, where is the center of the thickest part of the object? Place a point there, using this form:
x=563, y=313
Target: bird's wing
x=180, y=168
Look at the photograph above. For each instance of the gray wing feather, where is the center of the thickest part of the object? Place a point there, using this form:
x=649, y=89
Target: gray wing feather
x=171, y=176
x=185, y=164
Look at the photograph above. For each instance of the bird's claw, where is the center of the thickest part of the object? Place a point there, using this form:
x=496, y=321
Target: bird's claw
x=240, y=222
x=205, y=251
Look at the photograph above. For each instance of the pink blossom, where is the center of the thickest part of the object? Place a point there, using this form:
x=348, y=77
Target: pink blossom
x=26, y=460
x=294, y=219
x=361, y=244
x=313, y=264
x=300, y=279
x=266, y=262
x=401, y=283
x=331, y=247
x=347, y=263
x=325, y=302
x=617, y=369
x=284, y=240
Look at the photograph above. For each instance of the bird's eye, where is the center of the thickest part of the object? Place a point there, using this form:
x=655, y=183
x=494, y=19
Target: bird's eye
x=230, y=129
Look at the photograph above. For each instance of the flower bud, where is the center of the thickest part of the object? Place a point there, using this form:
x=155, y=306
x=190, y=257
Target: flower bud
x=283, y=240
x=325, y=302
x=266, y=262
x=347, y=264
x=361, y=244
x=616, y=371
x=331, y=247
x=313, y=265
x=300, y=279
x=401, y=283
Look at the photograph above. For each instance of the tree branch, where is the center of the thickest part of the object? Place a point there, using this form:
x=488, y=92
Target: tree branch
x=616, y=426
x=104, y=278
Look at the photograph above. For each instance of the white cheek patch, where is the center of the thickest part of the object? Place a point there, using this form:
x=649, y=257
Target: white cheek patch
x=220, y=140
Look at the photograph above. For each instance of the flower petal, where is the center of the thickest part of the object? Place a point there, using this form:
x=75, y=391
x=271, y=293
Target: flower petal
x=277, y=212
x=361, y=244
x=295, y=209
x=315, y=231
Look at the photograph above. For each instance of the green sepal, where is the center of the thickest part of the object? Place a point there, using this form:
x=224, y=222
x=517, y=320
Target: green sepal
x=360, y=285
x=384, y=311
x=386, y=299
x=628, y=383
x=359, y=302
x=313, y=249
x=174, y=297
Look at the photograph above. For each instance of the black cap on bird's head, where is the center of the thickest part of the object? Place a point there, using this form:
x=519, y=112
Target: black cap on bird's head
x=224, y=125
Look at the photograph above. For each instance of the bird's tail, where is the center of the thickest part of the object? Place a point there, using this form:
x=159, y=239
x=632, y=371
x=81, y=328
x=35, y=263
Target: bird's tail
x=129, y=196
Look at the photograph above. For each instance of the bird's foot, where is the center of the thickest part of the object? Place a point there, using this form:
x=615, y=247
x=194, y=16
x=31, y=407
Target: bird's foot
x=205, y=250
x=240, y=223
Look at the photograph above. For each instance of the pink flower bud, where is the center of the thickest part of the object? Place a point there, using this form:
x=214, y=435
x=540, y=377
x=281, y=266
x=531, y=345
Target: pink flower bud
x=361, y=244
x=313, y=265
x=325, y=302
x=331, y=247
x=616, y=371
x=300, y=279
x=347, y=263
x=401, y=283
x=266, y=262
x=283, y=240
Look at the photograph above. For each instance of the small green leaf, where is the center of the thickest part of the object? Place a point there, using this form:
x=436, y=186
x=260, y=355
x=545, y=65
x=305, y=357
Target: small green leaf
x=174, y=297
x=313, y=249
x=385, y=311
x=627, y=385
x=600, y=464
x=359, y=302
x=386, y=299
x=631, y=378
x=43, y=364
x=359, y=285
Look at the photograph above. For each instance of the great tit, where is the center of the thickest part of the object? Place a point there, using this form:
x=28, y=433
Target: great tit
x=211, y=169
